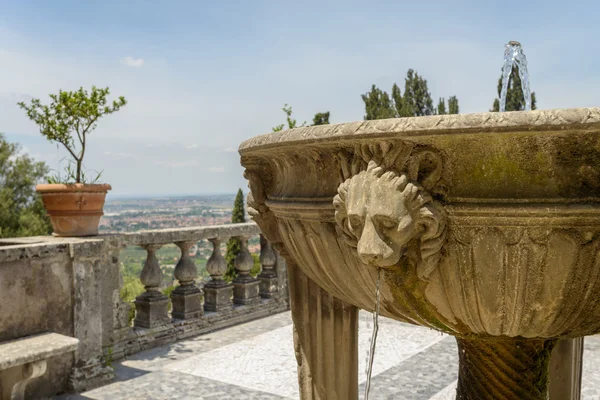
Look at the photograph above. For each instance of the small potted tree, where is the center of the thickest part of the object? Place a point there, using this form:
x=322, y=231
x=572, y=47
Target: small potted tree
x=74, y=201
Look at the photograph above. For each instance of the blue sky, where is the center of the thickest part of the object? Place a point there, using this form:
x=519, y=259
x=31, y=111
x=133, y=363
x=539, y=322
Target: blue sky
x=202, y=76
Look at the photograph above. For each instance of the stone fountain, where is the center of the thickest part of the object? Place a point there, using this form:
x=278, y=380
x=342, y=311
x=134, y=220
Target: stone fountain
x=486, y=227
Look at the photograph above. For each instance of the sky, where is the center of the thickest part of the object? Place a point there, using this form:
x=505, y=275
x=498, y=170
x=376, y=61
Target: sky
x=202, y=76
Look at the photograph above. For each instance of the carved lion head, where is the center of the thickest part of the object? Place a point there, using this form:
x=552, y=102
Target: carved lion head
x=383, y=214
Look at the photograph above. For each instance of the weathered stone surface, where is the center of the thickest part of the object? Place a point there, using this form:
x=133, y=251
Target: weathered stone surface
x=14, y=381
x=325, y=340
x=151, y=310
x=218, y=297
x=187, y=302
x=164, y=236
x=34, y=348
x=487, y=225
x=268, y=287
x=36, y=297
x=246, y=291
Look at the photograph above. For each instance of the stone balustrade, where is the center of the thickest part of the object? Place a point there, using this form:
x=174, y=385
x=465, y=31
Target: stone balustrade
x=72, y=286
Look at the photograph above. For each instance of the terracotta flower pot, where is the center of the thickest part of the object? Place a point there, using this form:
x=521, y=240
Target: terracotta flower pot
x=74, y=209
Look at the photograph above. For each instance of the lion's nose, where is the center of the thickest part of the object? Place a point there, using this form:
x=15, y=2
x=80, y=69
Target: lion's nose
x=371, y=248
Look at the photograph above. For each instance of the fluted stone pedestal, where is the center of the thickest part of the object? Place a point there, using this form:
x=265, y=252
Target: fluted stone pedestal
x=325, y=340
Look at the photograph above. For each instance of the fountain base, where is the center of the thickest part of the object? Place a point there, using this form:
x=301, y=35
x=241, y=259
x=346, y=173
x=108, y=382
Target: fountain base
x=503, y=369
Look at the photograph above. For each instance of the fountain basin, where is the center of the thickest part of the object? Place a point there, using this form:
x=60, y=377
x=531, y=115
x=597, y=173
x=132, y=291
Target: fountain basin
x=487, y=225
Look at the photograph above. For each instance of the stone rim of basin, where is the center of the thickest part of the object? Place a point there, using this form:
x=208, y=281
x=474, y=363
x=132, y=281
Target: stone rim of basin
x=487, y=122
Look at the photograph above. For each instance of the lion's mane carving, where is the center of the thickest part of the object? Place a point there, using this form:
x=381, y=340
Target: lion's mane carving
x=386, y=215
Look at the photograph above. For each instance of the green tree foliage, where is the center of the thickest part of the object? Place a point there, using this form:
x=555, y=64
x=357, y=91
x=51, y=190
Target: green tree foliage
x=515, y=100
x=291, y=122
x=233, y=245
x=415, y=102
x=452, y=106
x=21, y=210
x=321, y=118
x=417, y=99
x=70, y=116
x=256, y=267
x=378, y=104
x=441, y=107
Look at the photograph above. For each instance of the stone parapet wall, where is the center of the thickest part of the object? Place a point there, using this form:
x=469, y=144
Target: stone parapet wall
x=72, y=286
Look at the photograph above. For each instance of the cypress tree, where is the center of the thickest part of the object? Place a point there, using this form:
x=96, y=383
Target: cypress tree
x=441, y=107
x=378, y=104
x=234, y=245
x=515, y=100
x=415, y=102
x=452, y=105
x=417, y=98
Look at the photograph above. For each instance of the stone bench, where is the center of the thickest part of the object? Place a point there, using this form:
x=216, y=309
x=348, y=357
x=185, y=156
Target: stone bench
x=24, y=359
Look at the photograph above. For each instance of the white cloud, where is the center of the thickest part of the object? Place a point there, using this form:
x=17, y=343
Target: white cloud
x=230, y=150
x=216, y=169
x=133, y=62
x=125, y=155
x=191, y=146
x=177, y=164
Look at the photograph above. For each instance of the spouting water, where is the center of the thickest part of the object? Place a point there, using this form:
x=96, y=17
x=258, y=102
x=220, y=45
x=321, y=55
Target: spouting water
x=371, y=352
x=513, y=55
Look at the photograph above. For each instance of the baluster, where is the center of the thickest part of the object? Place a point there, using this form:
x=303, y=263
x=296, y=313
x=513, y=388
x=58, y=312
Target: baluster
x=268, y=273
x=151, y=307
x=186, y=300
x=245, y=287
x=217, y=292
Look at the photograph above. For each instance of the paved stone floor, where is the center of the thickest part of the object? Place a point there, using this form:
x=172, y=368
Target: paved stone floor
x=256, y=361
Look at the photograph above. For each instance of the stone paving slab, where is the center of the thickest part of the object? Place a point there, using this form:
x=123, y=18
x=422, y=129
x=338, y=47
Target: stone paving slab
x=167, y=385
x=267, y=362
x=157, y=358
x=256, y=360
x=419, y=377
x=591, y=368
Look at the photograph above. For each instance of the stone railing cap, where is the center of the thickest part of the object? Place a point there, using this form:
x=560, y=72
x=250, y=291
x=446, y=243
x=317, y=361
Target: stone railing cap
x=47, y=246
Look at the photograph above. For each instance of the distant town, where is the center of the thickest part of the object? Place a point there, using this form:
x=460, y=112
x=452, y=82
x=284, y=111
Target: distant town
x=135, y=214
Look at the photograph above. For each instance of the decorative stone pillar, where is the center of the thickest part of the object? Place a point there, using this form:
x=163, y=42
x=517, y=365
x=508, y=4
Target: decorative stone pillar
x=325, y=340
x=268, y=273
x=185, y=298
x=217, y=292
x=565, y=369
x=245, y=287
x=508, y=369
x=151, y=307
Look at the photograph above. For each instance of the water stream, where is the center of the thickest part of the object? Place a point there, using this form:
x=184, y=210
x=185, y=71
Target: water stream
x=513, y=55
x=371, y=352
